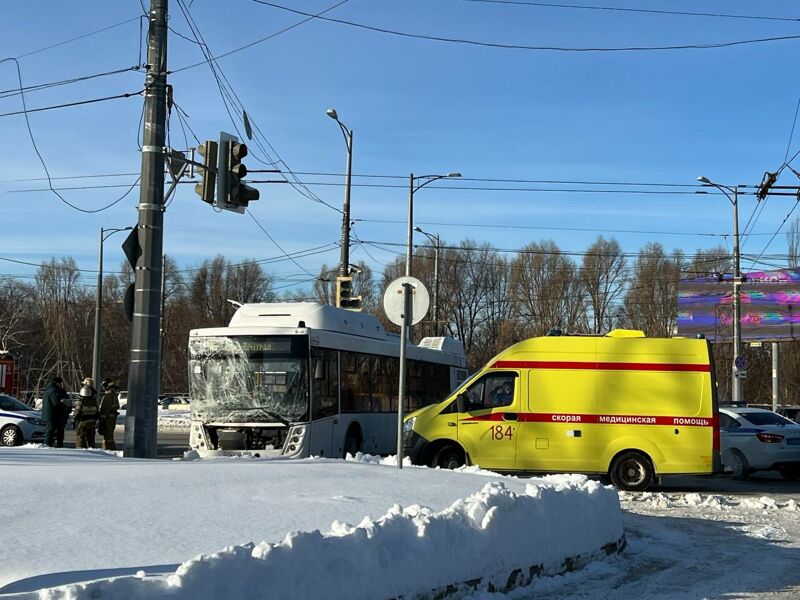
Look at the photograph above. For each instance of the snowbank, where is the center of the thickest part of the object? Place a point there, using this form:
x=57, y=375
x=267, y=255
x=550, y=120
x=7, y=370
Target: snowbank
x=496, y=535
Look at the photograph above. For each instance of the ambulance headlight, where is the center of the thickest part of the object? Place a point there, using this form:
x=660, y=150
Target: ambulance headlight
x=408, y=426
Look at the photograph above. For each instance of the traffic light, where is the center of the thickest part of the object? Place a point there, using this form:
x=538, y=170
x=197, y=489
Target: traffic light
x=232, y=193
x=208, y=173
x=344, y=299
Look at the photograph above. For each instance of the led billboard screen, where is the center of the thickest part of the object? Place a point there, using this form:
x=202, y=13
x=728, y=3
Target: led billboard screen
x=770, y=303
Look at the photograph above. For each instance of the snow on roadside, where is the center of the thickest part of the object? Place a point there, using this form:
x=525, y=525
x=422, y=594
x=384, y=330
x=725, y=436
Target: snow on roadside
x=488, y=534
x=206, y=505
x=177, y=420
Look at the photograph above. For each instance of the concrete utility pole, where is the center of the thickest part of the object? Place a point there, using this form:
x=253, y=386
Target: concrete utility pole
x=145, y=367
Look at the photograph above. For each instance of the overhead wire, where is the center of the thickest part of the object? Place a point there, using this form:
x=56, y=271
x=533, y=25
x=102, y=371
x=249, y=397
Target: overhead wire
x=636, y=10
x=508, y=46
x=41, y=159
x=77, y=37
x=229, y=95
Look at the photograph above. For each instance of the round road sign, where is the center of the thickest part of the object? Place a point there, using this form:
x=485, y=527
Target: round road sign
x=393, y=300
x=740, y=362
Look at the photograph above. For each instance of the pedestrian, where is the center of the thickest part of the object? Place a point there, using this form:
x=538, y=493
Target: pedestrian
x=85, y=418
x=55, y=412
x=109, y=409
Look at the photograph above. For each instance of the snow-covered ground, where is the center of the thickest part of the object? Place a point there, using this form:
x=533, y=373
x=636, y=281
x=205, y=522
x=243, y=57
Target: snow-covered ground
x=93, y=512
x=74, y=510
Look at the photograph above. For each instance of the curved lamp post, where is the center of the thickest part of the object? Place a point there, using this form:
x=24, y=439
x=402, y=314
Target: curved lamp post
x=436, y=241
x=344, y=259
x=733, y=196
x=98, y=312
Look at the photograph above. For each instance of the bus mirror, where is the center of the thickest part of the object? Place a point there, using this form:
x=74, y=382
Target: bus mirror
x=319, y=369
x=461, y=403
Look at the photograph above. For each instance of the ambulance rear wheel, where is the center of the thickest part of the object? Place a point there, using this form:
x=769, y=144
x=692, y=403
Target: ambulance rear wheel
x=632, y=471
x=449, y=457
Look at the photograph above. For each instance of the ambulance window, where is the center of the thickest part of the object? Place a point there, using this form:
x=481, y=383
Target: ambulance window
x=491, y=391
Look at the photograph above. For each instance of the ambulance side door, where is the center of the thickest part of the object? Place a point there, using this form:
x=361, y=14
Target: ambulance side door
x=557, y=433
x=487, y=429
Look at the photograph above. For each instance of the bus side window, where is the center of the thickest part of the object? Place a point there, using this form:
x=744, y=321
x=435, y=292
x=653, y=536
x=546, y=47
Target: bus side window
x=325, y=383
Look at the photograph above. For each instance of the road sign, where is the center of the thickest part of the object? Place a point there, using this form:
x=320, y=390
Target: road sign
x=741, y=374
x=393, y=300
x=740, y=362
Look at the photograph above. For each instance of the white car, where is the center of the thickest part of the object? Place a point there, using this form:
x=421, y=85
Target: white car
x=122, y=398
x=754, y=439
x=18, y=423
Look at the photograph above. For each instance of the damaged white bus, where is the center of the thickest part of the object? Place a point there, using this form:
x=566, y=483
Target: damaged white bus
x=304, y=379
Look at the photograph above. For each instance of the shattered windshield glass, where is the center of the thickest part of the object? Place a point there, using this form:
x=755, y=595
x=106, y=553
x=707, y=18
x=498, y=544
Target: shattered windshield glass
x=249, y=378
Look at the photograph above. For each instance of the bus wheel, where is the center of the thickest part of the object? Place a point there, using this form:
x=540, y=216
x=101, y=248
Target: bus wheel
x=353, y=441
x=632, y=471
x=449, y=457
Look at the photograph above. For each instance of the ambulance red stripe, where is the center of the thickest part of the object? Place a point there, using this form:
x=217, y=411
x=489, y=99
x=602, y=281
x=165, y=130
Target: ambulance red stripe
x=599, y=366
x=582, y=419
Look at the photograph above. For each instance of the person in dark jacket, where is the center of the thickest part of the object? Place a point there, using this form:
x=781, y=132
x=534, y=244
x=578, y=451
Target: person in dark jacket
x=109, y=408
x=85, y=418
x=55, y=412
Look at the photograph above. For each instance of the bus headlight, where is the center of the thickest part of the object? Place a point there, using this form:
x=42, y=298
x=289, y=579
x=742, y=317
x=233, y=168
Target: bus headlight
x=408, y=426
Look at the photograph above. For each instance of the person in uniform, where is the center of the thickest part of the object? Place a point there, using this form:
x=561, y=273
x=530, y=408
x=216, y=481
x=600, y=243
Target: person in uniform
x=54, y=412
x=85, y=418
x=109, y=408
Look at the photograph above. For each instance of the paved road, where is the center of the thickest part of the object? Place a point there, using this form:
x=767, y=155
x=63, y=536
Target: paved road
x=171, y=444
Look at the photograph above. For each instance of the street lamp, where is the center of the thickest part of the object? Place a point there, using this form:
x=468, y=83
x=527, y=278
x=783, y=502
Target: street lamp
x=737, y=282
x=415, y=183
x=344, y=260
x=436, y=244
x=98, y=311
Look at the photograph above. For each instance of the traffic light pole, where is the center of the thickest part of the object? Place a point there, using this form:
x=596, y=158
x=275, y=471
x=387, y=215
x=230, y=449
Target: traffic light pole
x=145, y=367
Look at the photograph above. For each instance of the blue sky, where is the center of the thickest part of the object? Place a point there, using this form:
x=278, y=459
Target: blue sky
x=415, y=106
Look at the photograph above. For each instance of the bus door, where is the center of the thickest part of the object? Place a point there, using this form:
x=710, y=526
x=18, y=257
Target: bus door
x=488, y=427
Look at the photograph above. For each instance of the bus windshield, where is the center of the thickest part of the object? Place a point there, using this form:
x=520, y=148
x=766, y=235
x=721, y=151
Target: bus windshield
x=249, y=378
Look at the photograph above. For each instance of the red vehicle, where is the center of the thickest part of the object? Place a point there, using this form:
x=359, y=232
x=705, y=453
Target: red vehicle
x=9, y=374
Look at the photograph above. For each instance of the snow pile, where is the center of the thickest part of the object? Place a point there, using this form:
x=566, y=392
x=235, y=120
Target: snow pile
x=405, y=552
x=370, y=459
x=712, y=501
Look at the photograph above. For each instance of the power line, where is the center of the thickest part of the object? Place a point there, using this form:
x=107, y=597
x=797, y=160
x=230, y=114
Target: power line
x=261, y=40
x=27, y=111
x=77, y=37
x=277, y=245
x=228, y=94
x=533, y=48
x=636, y=10
x=43, y=86
x=537, y=228
x=39, y=154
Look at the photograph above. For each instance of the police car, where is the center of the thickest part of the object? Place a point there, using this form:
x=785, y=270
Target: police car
x=754, y=439
x=18, y=423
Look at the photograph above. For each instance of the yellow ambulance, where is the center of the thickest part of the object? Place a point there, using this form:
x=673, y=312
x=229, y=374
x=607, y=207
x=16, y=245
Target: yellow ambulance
x=622, y=405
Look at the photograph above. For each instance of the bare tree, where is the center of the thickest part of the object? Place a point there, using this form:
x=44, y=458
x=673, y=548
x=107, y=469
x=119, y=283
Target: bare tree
x=15, y=306
x=705, y=263
x=547, y=290
x=651, y=301
x=603, y=276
